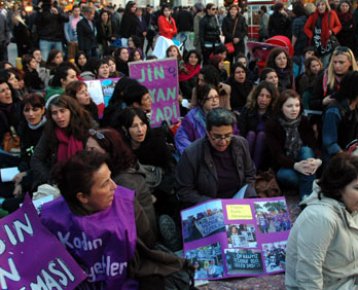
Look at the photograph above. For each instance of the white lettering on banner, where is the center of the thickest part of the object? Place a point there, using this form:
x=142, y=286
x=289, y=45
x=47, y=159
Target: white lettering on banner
x=106, y=267
x=12, y=275
x=20, y=227
x=79, y=242
x=56, y=276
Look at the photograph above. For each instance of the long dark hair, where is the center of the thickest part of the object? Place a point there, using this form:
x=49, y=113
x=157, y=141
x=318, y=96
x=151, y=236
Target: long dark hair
x=120, y=156
x=124, y=120
x=80, y=120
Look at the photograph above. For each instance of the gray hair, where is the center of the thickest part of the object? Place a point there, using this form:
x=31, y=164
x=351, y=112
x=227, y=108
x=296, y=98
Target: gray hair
x=220, y=117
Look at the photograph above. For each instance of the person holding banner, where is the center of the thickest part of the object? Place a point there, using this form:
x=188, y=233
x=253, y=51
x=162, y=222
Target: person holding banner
x=322, y=246
x=216, y=166
x=117, y=248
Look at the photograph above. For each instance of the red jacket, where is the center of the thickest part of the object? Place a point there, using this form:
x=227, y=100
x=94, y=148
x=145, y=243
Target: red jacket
x=335, y=25
x=166, y=28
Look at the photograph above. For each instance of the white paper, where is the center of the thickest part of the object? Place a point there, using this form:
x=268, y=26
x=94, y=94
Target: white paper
x=8, y=174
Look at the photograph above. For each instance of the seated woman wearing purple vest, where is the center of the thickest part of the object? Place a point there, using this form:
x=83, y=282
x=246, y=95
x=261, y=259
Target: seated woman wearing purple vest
x=103, y=227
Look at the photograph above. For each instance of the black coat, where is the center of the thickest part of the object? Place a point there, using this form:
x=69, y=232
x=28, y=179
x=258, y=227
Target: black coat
x=239, y=93
x=129, y=25
x=209, y=30
x=50, y=26
x=279, y=24
x=240, y=31
x=86, y=35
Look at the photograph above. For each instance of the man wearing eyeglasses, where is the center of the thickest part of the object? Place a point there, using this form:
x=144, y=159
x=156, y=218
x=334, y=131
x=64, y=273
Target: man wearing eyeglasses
x=216, y=166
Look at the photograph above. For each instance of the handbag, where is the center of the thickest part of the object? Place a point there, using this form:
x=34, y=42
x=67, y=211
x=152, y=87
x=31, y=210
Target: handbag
x=333, y=39
x=230, y=45
x=266, y=184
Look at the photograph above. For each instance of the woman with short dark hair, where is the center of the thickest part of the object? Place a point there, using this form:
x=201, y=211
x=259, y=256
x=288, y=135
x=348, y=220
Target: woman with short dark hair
x=323, y=241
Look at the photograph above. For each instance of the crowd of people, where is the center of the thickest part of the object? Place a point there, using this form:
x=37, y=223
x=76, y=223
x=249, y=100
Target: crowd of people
x=295, y=116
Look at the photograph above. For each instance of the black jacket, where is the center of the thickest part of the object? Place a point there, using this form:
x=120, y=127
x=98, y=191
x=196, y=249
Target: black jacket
x=209, y=30
x=129, y=25
x=196, y=174
x=50, y=26
x=184, y=21
x=279, y=24
x=86, y=36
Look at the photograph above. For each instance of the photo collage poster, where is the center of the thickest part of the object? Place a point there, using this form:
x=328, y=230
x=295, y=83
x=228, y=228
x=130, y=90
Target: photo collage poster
x=236, y=237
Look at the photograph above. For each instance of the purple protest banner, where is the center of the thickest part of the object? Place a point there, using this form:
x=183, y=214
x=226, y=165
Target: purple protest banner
x=31, y=257
x=161, y=79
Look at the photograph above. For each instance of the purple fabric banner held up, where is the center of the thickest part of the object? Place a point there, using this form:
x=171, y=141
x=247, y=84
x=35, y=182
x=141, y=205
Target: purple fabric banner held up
x=161, y=79
x=31, y=257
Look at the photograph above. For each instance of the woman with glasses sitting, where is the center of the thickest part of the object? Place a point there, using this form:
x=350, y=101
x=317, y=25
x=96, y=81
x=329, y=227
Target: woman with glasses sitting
x=193, y=125
x=216, y=166
x=65, y=133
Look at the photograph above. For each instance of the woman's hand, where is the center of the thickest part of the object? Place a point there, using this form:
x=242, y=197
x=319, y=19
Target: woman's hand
x=18, y=177
x=303, y=167
x=18, y=190
x=314, y=164
x=327, y=100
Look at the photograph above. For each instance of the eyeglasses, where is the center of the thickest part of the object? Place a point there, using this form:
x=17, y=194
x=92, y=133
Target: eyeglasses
x=212, y=98
x=217, y=138
x=96, y=134
x=214, y=9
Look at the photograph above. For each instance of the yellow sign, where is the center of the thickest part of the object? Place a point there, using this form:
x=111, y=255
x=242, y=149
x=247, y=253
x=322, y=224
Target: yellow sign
x=239, y=212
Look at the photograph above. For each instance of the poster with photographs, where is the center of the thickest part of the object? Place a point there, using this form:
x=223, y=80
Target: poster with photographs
x=236, y=237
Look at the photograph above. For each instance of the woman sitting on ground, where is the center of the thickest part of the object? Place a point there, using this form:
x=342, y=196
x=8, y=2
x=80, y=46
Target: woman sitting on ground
x=251, y=122
x=125, y=169
x=193, y=125
x=323, y=241
x=79, y=91
x=291, y=142
x=65, y=133
x=90, y=202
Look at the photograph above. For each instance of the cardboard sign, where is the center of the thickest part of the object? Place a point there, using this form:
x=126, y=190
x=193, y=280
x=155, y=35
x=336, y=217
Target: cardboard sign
x=161, y=79
x=31, y=257
x=101, y=92
x=236, y=237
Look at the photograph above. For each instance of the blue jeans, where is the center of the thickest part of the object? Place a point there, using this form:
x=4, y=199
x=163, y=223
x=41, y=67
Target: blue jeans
x=292, y=178
x=46, y=46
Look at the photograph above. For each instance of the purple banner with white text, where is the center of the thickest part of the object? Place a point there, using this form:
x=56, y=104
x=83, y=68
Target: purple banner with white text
x=31, y=257
x=236, y=237
x=161, y=79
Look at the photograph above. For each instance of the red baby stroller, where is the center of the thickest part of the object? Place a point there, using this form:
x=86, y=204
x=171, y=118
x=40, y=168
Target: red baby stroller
x=260, y=50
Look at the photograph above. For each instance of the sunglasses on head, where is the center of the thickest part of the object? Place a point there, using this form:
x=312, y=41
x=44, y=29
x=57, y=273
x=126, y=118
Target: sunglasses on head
x=96, y=134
